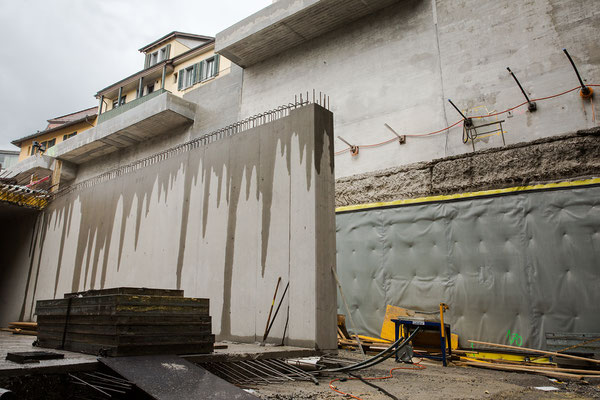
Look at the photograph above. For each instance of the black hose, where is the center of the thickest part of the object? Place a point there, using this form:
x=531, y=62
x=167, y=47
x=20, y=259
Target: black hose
x=375, y=359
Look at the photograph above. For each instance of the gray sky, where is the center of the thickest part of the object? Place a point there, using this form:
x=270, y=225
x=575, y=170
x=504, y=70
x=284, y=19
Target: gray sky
x=58, y=53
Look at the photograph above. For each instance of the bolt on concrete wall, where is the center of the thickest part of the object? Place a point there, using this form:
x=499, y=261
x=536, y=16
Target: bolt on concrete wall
x=221, y=221
x=401, y=64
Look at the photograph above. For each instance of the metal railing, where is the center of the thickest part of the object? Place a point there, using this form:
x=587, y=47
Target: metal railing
x=230, y=130
x=128, y=106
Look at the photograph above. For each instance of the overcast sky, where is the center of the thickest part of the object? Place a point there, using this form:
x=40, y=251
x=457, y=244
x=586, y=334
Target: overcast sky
x=58, y=53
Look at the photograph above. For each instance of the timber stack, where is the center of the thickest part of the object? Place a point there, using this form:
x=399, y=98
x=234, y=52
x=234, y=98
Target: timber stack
x=126, y=322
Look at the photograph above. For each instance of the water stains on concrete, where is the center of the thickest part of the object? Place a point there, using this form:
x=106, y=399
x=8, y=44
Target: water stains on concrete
x=92, y=226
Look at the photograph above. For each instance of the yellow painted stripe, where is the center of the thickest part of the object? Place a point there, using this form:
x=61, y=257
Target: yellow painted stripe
x=430, y=199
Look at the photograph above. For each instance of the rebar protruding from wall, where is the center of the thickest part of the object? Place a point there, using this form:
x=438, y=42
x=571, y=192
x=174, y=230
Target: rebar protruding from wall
x=401, y=138
x=353, y=149
x=531, y=106
x=467, y=121
x=586, y=92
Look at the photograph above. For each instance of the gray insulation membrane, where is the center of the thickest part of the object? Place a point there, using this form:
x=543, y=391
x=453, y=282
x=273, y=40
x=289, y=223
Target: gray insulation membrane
x=512, y=268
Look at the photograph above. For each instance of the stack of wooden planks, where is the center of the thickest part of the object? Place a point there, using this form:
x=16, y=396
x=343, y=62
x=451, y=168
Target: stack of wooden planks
x=126, y=321
x=349, y=342
x=21, y=328
x=528, y=360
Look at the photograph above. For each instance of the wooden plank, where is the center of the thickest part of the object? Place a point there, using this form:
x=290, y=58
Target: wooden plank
x=29, y=325
x=124, y=319
x=554, y=374
x=127, y=290
x=505, y=346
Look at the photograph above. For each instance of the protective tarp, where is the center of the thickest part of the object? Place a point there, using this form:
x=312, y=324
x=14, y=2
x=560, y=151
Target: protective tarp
x=511, y=268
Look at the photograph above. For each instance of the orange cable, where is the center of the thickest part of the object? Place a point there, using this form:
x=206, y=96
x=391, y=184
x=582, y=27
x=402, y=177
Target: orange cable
x=415, y=366
x=460, y=121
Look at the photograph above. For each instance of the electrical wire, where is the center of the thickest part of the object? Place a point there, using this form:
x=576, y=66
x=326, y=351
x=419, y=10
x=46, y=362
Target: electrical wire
x=384, y=355
x=415, y=366
x=461, y=121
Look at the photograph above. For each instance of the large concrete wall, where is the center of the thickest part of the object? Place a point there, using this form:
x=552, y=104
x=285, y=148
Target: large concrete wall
x=401, y=64
x=221, y=221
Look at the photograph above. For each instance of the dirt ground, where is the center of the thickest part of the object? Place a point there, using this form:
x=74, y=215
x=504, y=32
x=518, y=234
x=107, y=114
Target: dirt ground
x=432, y=382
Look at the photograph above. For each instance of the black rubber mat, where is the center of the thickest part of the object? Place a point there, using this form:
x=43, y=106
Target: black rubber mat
x=168, y=377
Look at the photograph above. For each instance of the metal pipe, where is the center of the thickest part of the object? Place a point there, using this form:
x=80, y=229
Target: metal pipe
x=119, y=96
x=531, y=105
x=270, y=312
x=468, y=121
x=584, y=89
x=141, y=87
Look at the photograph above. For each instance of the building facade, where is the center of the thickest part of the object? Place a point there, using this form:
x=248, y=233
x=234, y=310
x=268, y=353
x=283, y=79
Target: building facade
x=487, y=203
x=178, y=63
x=58, y=130
x=8, y=158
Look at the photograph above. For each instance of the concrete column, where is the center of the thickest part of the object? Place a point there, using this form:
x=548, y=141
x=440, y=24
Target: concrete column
x=140, y=88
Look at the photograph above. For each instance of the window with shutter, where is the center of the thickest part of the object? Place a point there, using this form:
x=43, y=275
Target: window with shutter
x=180, y=79
x=217, y=59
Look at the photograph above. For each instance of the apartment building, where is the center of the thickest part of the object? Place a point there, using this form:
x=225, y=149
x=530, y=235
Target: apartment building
x=176, y=63
x=58, y=130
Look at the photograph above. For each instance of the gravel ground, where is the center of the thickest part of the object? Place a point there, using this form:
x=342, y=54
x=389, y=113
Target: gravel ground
x=433, y=382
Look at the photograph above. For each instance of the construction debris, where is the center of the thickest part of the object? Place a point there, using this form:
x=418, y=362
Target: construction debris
x=346, y=341
x=527, y=362
x=21, y=328
x=33, y=356
x=126, y=321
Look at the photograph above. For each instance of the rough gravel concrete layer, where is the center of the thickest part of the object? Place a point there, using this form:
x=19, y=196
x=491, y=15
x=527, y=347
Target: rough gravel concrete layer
x=556, y=158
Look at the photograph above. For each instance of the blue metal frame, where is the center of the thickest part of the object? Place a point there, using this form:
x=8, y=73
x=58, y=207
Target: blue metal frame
x=445, y=342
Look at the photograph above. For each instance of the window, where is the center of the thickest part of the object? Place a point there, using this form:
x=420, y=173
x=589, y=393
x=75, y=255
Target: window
x=198, y=72
x=120, y=103
x=70, y=135
x=209, y=69
x=187, y=77
x=157, y=56
x=150, y=88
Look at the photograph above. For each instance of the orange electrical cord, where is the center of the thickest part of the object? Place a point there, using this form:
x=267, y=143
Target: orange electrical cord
x=460, y=121
x=391, y=375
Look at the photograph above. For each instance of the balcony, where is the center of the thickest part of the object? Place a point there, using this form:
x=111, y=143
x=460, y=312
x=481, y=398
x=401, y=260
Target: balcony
x=128, y=106
x=288, y=23
x=137, y=121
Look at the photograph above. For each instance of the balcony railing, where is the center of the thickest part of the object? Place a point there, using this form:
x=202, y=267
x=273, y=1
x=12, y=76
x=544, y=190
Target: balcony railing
x=105, y=116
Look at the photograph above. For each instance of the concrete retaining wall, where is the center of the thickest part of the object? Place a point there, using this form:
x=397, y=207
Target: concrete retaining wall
x=222, y=221
x=401, y=64
x=556, y=158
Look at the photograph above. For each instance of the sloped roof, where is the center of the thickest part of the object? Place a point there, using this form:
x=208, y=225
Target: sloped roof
x=61, y=122
x=175, y=34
